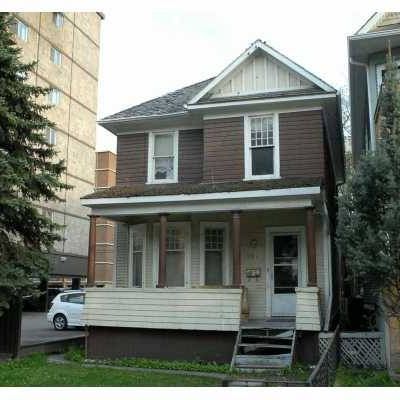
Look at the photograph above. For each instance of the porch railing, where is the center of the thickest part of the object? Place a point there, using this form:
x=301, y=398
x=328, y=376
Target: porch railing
x=325, y=372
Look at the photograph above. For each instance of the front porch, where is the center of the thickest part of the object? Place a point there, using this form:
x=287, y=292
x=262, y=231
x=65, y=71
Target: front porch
x=272, y=272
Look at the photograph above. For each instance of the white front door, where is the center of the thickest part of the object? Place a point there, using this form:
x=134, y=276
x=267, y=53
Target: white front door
x=285, y=265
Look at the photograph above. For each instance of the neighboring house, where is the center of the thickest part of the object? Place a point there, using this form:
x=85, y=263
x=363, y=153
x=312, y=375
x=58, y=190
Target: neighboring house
x=367, y=58
x=105, y=255
x=225, y=211
x=65, y=47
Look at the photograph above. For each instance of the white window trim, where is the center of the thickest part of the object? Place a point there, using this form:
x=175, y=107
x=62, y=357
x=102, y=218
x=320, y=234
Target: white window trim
x=379, y=69
x=248, y=173
x=226, y=275
x=269, y=251
x=150, y=159
x=142, y=229
x=188, y=252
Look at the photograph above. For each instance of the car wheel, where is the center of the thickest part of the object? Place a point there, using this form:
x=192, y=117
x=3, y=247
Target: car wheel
x=60, y=322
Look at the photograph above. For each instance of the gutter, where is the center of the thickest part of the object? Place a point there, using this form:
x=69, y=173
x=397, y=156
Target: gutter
x=370, y=111
x=138, y=118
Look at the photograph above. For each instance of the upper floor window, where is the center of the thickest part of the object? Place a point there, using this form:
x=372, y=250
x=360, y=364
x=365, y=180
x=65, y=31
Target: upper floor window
x=21, y=30
x=55, y=56
x=58, y=19
x=163, y=157
x=262, y=147
x=54, y=97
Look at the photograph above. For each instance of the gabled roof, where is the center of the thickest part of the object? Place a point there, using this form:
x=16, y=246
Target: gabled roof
x=256, y=46
x=170, y=103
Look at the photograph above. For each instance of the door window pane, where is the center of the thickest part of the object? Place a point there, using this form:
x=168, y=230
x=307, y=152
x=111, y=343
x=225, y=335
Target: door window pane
x=213, y=258
x=285, y=263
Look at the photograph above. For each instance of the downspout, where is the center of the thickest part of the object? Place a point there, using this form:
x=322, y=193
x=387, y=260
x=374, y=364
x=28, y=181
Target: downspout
x=370, y=111
x=327, y=266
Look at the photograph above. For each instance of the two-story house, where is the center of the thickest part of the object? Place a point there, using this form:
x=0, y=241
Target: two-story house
x=225, y=213
x=367, y=50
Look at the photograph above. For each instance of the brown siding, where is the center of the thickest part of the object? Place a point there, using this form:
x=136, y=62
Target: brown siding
x=301, y=143
x=223, y=150
x=132, y=159
x=190, y=156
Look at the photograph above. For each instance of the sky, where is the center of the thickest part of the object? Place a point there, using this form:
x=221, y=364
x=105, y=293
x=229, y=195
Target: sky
x=162, y=46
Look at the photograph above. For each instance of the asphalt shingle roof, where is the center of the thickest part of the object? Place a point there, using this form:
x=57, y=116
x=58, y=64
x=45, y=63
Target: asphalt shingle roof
x=169, y=103
x=198, y=188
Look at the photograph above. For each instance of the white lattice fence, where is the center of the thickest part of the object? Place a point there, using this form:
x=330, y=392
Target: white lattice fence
x=358, y=349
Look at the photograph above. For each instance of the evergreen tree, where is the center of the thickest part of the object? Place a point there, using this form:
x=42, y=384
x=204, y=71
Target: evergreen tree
x=369, y=208
x=28, y=174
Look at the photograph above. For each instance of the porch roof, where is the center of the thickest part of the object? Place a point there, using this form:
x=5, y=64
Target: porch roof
x=201, y=188
x=140, y=200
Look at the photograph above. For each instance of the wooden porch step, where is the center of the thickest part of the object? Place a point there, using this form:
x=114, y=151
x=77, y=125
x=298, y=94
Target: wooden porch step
x=270, y=360
x=267, y=337
x=265, y=345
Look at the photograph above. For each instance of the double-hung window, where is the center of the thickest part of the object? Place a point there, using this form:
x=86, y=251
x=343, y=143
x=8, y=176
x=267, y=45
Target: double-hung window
x=137, y=258
x=214, y=252
x=177, y=269
x=163, y=157
x=262, y=147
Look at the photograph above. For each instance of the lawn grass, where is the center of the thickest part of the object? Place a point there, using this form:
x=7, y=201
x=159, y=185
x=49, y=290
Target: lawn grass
x=363, y=377
x=77, y=355
x=36, y=371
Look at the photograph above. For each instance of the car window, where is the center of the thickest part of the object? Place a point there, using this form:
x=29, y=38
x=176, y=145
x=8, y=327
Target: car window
x=76, y=298
x=64, y=298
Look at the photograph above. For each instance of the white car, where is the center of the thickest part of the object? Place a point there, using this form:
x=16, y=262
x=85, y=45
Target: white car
x=66, y=310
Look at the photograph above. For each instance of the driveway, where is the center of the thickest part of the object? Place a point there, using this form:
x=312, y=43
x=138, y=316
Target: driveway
x=36, y=330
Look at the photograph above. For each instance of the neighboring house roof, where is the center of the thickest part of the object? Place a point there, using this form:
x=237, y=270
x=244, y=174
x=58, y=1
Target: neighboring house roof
x=198, y=188
x=170, y=103
x=380, y=21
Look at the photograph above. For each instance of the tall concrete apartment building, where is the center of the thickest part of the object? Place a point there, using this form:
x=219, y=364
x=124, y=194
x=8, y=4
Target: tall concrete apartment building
x=105, y=250
x=66, y=48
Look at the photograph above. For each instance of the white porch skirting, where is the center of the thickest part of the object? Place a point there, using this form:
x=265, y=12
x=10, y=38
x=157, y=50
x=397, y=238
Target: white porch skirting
x=308, y=311
x=166, y=308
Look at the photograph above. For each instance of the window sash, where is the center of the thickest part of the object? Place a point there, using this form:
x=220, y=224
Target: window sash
x=137, y=255
x=262, y=146
x=54, y=97
x=163, y=157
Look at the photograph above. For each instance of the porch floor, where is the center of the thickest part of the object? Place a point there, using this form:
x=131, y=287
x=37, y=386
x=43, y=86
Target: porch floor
x=271, y=323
